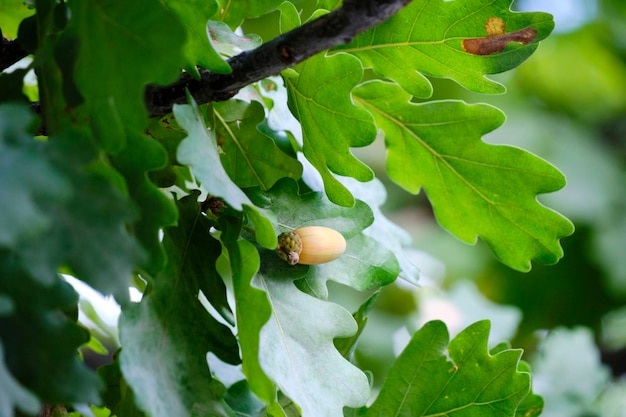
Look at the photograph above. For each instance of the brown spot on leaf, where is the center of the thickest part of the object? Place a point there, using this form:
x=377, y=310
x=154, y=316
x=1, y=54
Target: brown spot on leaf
x=497, y=38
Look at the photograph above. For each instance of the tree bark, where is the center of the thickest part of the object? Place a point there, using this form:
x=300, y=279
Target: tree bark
x=285, y=51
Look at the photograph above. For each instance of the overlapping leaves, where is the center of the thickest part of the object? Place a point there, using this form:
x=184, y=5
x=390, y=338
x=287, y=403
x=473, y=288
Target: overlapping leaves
x=296, y=348
x=425, y=38
x=476, y=189
x=40, y=338
x=166, y=336
x=319, y=98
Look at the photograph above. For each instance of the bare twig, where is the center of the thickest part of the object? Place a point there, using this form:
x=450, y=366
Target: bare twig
x=285, y=51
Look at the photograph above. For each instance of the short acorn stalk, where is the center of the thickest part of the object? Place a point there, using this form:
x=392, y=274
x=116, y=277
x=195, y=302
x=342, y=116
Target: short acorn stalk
x=311, y=245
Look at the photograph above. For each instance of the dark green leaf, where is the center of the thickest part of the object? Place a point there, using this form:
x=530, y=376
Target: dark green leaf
x=425, y=38
x=198, y=49
x=253, y=309
x=12, y=394
x=319, y=98
x=141, y=156
x=166, y=337
x=117, y=395
x=123, y=47
x=424, y=382
x=40, y=341
x=476, y=189
x=88, y=232
x=248, y=156
x=29, y=182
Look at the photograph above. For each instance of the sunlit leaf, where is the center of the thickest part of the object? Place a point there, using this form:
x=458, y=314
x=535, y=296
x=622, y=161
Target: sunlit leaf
x=234, y=12
x=471, y=382
x=319, y=98
x=476, y=189
x=426, y=38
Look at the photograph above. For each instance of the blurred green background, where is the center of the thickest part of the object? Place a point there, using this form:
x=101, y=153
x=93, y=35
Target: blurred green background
x=566, y=104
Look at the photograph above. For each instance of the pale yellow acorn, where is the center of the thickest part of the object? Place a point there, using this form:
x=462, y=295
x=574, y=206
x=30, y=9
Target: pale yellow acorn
x=310, y=245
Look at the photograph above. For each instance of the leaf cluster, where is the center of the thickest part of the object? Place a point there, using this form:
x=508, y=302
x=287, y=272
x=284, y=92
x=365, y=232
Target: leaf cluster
x=189, y=205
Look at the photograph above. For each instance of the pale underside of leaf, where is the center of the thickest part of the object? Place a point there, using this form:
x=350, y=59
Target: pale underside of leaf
x=298, y=353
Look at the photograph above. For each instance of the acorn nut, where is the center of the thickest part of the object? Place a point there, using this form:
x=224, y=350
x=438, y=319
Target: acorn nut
x=310, y=245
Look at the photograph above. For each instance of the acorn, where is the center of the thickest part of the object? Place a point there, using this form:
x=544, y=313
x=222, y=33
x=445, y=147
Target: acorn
x=311, y=245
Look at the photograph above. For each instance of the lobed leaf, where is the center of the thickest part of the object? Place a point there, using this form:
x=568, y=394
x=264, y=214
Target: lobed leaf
x=167, y=336
x=426, y=39
x=29, y=180
x=248, y=156
x=253, y=309
x=476, y=189
x=319, y=98
x=40, y=339
x=423, y=382
x=296, y=346
x=121, y=50
x=199, y=49
x=199, y=151
x=12, y=394
x=234, y=12
x=366, y=264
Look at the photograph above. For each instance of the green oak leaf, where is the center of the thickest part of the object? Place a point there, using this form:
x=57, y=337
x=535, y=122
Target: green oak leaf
x=296, y=346
x=289, y=17
x=425, y=39
x=234, y=12
x=347, y=345
x=12, y=394
x=470, y=382
x=331, y=123
x=117, y=395
x=166, y=337
x=88, y=232
x=200, y=152
x=248, y=156
x=199, y=50
x=123, y=47
x=366, y=264
x=476, y=189
x=141, y=156
x=228, y=43
x=29, y=180
x=389, y=234
x=40, y=339
x=253, y=309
